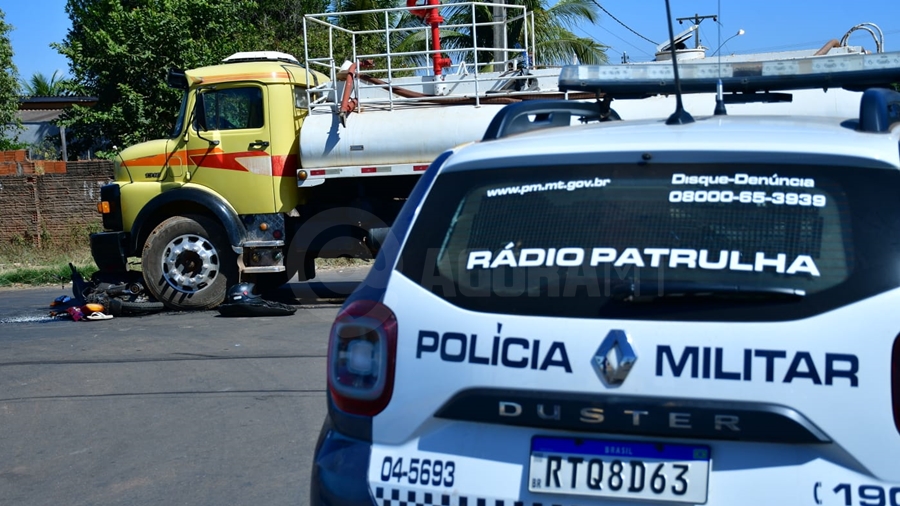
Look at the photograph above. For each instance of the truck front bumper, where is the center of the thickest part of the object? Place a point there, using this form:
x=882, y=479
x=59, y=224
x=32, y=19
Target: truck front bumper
x=110, y=250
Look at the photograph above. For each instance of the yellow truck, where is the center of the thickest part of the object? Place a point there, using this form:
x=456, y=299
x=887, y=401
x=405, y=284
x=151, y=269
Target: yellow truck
x=272, y=164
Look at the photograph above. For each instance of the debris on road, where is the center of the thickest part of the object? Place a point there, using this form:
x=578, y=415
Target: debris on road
x=101, y=299
x=242, y=301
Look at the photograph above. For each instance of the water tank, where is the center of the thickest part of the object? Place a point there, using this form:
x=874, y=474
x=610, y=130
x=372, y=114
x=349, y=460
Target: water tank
x=416, y=134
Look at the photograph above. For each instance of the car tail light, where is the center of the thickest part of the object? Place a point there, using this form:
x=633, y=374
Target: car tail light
x=362, y=349
x=895, y=381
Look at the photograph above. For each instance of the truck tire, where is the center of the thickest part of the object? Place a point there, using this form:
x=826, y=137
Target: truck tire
x=119, y=307
x=188, y=263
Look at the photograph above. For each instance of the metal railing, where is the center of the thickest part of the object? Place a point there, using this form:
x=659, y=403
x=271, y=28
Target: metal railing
x=397, y=73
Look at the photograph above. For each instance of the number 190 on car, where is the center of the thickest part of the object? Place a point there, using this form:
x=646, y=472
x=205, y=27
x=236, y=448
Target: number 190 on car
x=619, y=469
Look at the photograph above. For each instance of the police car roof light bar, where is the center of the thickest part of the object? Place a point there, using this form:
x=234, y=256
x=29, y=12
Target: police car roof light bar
x=855, y=72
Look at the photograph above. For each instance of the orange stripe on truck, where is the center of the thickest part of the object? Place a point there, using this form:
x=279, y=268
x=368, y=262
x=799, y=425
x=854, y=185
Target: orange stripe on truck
x=282, y=165
x=255, y=76
x=147, y=161
x=226, y=161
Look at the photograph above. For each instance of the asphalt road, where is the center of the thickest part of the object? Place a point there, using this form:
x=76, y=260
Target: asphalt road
x=172, y=408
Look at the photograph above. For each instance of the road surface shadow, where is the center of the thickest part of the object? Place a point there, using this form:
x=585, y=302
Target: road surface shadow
x=330, y=286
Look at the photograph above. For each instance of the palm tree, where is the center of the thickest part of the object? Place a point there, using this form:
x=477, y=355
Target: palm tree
x=363, y=22
x=555, y=44
x=372, y=42
x=40, y=86
x=554, y=41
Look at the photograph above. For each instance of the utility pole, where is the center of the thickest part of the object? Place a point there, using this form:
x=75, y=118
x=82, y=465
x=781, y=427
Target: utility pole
x=696, y=20
x=499, y=12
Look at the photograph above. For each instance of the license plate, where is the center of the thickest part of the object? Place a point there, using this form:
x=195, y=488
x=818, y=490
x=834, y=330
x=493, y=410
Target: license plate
x=619, y=469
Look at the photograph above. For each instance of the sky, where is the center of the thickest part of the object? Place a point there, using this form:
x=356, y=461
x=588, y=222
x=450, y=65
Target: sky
x=36, y=24
x=769, y=25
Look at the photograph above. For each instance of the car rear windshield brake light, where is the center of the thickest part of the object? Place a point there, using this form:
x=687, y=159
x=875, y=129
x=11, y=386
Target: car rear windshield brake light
x=361, y=356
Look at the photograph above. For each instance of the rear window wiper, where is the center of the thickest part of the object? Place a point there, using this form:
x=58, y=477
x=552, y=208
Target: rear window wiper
x=649, y=291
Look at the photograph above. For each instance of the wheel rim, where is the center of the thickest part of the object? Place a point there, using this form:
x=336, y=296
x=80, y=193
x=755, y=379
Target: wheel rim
x=190, y=263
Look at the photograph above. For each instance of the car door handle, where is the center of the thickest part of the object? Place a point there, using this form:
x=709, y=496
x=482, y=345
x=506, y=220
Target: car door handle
x=259, y=145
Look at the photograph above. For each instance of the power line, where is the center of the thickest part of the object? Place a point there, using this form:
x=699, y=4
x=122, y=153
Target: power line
x=607, y=48
x=607, y=30
x=721, y=45
x=623, y=24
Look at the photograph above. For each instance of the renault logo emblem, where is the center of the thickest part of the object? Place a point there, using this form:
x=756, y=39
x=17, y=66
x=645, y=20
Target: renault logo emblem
x=614, y=358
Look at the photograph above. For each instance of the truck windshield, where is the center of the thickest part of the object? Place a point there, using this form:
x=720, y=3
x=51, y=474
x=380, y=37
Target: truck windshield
x=179, y=122
x=709, y=242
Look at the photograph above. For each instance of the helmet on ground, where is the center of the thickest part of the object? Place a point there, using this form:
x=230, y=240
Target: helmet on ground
x=241, y=301
x=241, y=292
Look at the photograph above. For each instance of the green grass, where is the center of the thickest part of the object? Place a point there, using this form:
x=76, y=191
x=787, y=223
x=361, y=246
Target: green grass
x=23, y=264
x=28, y=265
x=39, y=276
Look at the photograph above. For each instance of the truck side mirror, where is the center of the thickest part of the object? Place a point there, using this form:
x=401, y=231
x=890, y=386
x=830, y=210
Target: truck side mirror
x=177, y=79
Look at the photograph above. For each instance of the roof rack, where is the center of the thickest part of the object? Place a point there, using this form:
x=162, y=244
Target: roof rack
x=249, y=56
x=854, y=72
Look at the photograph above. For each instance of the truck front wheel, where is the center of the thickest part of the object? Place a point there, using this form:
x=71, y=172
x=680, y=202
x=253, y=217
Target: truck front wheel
x=188, y=263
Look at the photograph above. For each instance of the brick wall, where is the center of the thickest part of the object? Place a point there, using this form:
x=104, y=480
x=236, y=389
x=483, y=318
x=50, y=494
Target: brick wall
x=43, y=201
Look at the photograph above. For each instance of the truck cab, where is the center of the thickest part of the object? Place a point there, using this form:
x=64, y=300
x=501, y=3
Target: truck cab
x=228, y=173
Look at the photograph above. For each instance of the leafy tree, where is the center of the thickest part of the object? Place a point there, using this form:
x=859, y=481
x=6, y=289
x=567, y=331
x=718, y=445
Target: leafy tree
x=10, y=126
x=361, y=22
x=41, y=86
x=281, y=22
x=121, y=50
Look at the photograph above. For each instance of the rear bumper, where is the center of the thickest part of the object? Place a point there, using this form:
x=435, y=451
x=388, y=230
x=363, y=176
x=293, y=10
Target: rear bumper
x=110, y=250
x=491, y=467
x=340, y=469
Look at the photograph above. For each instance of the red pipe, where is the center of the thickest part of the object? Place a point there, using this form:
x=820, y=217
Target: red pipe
x=432, y=17
x=348, y=104
x=419, y=13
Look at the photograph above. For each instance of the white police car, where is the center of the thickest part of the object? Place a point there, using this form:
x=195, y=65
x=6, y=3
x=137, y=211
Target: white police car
x=699, y=313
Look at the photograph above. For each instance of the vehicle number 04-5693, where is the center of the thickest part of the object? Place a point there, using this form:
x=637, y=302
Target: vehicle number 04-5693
x=437, y=473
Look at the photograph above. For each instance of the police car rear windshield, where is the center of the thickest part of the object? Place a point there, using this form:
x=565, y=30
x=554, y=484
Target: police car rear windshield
x=571, y=240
